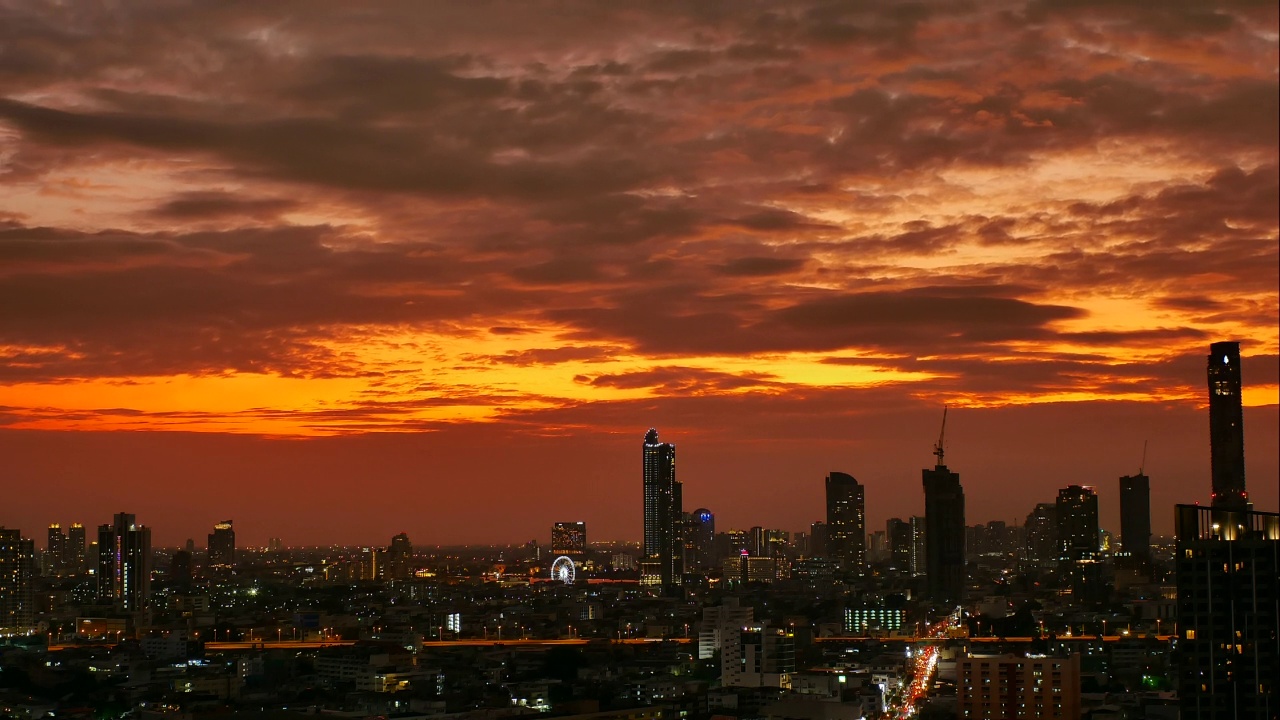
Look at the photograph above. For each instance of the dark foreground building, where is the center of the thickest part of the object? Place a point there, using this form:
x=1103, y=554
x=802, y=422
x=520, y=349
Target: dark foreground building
x=1226, y=426
x=1228, y=613
x=944, y=534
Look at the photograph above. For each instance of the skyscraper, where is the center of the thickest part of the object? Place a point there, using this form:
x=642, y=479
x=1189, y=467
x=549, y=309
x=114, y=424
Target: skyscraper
x=399, y=560
x=846, y=522
x=944, y=534
x=1135, y=516
x=1042, y=536
x=699, y=539
x=569, y=538
x=55, y=551
x=1077, y=514
x=918, y=562
x=1226, y=426
x=222, y=544
x=124, y=563
x=663, y=510
x=17, y=573
x=899, y=533
x=1227, y=563
x=74, y=559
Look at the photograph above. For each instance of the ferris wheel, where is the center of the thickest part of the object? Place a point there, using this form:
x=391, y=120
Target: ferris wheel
x=562, y=570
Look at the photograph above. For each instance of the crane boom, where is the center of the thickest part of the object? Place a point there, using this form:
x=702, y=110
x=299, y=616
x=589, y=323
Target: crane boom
x=1144, y=458
x=937, y=449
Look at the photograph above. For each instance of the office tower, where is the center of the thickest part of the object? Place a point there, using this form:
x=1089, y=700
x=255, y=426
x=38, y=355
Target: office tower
x=74, y=560
x=222, y=544
x=1135, y=517
x=663, y=510
x=1042, y=536
x=699, y=539
x=569, y=538
x=55, y=551
x=1228, y=607
x=1009, y=687
x=17, y=574
x=399, y=561
x=1226, y=427
x=918, y=563
x=124, y=563
x=755, y=542
x=846, y=522
x=898, y=531
x=1077, y=513
x=944, y=533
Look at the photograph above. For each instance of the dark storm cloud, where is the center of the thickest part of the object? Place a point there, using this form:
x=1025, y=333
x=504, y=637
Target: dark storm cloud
x=206, y=205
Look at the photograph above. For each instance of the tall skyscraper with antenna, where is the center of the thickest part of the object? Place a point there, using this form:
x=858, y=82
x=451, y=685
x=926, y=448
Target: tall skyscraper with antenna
x=1226, y=426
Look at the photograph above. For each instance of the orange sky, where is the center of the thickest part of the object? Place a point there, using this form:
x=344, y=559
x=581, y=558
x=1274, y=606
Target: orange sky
x=232, y=232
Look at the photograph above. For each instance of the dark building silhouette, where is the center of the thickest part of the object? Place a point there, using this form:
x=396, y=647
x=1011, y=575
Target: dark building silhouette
x=663, y=511
x=944, y=534
x=1228, y=606
x=1042, y=536
x=918, y=561
x=1226, y=426
x=1135, y=517
x=898, y=533
x=1077, y=514
x=124, y=563
x=818, y=539
x=846, y=522
x=55, y=551
x=399, y=561
x=569, y=538
x=699, y=539
x=222, y=544
x=17, y=577
x=181, y=569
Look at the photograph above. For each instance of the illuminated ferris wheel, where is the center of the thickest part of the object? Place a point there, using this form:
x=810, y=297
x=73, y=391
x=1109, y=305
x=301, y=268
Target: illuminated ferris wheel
x=562, y=570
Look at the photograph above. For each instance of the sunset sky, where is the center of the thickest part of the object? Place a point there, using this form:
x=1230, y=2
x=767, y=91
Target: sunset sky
x=336, y=270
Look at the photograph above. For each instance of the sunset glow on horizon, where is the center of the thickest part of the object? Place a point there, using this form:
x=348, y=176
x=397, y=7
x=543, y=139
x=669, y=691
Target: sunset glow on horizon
x=476, y=228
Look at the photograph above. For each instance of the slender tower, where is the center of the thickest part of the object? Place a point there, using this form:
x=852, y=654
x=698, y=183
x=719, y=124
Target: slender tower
x=944, y=529
x=663, y=510
x=1226, y=427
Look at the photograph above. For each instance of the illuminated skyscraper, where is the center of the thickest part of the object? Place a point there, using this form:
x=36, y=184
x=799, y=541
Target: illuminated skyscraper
x=17, y=573
x=569, y=538
x=222, y=544
x=74, y=559
x=846, y=522
x=55, y=551
x=1228, y=650
x=918, y=563
x=1135, y=517
x=1077, y=512
x=944, y=534
x=1226, y=426
x=1042, y=536
x=699, y=539
x=124, y=563
x=663, y=510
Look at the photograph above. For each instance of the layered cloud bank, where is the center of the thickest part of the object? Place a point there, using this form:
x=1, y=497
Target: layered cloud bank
x=578, y=220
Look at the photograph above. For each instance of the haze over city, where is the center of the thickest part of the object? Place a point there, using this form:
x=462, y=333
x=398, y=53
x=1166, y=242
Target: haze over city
x=338, y=271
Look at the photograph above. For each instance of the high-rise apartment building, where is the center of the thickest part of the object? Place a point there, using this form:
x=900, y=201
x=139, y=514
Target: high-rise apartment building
x=17, y=575
x=818, y=539
x=569, y=538
x=699, y=539
x=898, y=533
x=55, y=551
x=918, y=561
x=944, y=534
x=663, y=511
x=1228, y=611
x=399, y=559
x=1042, y=536
x=846, y=522
x=124, y=563
x=74, y=560
x=1077, y=521
x=222, y=544
x=1008, y=687
x=1226, y=426
x=1135, y=517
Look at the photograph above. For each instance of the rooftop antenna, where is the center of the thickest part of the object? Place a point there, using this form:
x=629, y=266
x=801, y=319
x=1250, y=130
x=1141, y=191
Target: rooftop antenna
x=1144, y=458
x=937, y=449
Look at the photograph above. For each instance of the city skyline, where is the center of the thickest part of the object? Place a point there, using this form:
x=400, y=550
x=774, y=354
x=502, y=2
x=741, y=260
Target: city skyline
x=335, y=272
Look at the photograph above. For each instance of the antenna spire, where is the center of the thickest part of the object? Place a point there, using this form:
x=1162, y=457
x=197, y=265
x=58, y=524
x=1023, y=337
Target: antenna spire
x=937, y=449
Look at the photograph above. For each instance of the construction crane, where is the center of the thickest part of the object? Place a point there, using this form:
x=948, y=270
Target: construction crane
x=1143, y=466
x=937, y=449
